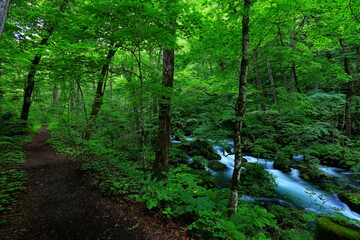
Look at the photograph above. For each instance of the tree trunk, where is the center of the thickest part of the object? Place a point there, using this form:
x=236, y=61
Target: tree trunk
x=161, y=163
x=30, y=84
x=240, y=108
x=260, y=87
x=4, y=6
x=56, y=94
x=294, y=85
x=350, y=90
x=272, y=81
x=99, y=94
x=293, y=79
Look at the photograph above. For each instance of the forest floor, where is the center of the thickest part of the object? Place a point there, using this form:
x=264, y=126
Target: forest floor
x=58, y=205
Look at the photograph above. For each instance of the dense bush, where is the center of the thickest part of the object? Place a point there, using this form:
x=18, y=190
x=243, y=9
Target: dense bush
x=255, y=181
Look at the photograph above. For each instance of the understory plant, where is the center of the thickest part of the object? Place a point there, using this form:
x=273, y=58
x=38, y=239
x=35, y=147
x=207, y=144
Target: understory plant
x=13, y=136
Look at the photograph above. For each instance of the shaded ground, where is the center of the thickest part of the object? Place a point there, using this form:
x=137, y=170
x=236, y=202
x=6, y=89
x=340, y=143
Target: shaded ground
x=57, y=205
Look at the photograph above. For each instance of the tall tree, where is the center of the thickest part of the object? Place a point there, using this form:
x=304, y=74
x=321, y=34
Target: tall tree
x=30, y=84
x=100, y=90
x=4, y=6
x=350, y=91
x=161, y=162
x=240, y=107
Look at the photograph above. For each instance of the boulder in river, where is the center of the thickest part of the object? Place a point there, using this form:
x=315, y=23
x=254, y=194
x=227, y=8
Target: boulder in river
x=352, y=200
x=216, y=165
x=330, y=229
x=282, y=165
x=200, y=148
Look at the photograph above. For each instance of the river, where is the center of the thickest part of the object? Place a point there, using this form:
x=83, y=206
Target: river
x=293, y=189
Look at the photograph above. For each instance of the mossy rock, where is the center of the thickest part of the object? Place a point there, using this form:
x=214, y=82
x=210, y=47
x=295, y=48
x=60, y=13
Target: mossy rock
x=329, y=229
x=329, y=187
x=227, y=149
x=216, y=165
x=200, y=148
x=282, y=165
x=352, y=200
x=310, y=173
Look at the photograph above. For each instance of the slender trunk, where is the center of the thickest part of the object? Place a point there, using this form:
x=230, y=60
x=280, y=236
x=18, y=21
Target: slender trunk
x=30, y=84
x=272, y=81
x=350, y=90
x=1, y=88
x=294, y=85
x=260, y=87
x=81, y=103
x=99, y=94
x=294, y=80
x=4, y=6
x=161, y=163
x=240, y=108
x=142, y=116
x=28, y=90
x=56, y=94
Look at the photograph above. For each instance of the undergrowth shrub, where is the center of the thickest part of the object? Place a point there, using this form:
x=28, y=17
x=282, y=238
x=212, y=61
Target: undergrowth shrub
x=256, y=181
x=13, y=136
x=11, y=183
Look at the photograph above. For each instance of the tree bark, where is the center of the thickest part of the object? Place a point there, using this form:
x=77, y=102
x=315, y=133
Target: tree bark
x=99, y=94
x=260, y=87
x=350, y=90
x=161, y=163
x=56, y=94
x=30, y=84
x=272, y=81
x=240, y=108
x=4, y=6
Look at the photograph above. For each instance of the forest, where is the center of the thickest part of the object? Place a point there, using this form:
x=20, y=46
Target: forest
x=239, y=119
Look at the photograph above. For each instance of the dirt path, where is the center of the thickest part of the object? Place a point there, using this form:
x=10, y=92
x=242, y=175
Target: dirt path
x=57, y=205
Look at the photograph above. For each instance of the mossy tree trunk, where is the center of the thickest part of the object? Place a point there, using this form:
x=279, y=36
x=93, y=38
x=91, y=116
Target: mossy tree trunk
x=347, y=121
x=161, y=163
x=240, y=108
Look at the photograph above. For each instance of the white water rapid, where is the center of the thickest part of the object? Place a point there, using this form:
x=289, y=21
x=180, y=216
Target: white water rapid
x=291, y=188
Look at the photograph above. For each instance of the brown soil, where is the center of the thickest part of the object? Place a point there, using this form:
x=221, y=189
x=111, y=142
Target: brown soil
x=58, y=205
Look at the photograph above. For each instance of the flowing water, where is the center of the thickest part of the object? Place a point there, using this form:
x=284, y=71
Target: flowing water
x=291, y=188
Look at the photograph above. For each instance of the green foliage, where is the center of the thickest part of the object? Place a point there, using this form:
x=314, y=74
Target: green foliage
x=290, y=218
x=11, y=183
x=352, y=199
x=252, y=221
x=307, y=66
x=255, y=181
x=296, y=234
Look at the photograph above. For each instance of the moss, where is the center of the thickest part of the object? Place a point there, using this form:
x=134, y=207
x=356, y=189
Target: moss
x=310, y=173
x=216, y=165
x=329, y=229
x=200, y=148
x=352, y=200
x=330, y=188
x=282, y=165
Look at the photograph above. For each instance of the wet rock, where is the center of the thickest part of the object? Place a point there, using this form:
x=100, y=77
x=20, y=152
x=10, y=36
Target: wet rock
x=329, y=229
x=200, y=148
x=282, y=165
x=352, y=200
x=216, y=165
